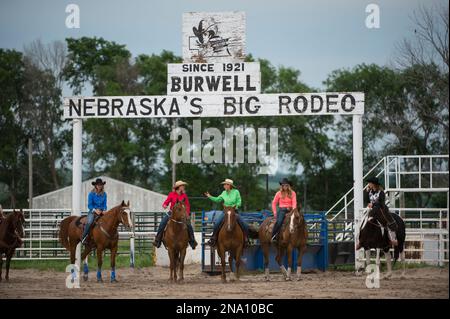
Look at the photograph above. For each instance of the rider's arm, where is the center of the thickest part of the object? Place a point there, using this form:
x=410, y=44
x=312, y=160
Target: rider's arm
x=382, y=199
x=104, y=202
x=274, y=204
x=168, y=200
x=91, y=201
x=217, y=199
x=188, y=205
x=294, y=200
x=238, y=199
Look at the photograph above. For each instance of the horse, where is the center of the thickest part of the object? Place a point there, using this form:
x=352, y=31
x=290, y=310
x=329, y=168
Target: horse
x=104, y=235
x=230, y=239
x=293, y=234
x=11, y=232
x=176, y=239
x=373, y=233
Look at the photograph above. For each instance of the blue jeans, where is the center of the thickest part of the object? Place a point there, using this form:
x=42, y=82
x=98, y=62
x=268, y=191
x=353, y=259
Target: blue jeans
x=280, y=218
x=90, y=220
x=239, y=220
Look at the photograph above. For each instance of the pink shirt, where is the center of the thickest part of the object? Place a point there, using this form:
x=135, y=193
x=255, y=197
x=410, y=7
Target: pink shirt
x=283, y=202
x=172, y=199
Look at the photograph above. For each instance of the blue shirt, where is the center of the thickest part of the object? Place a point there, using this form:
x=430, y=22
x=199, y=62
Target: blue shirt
x=96, y=201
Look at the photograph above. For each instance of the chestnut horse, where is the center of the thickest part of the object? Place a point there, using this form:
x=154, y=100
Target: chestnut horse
x=231, y=240
x=103, y=233
x=293, y=234
x=175, y=239
x=373, y=233
x=11, y=234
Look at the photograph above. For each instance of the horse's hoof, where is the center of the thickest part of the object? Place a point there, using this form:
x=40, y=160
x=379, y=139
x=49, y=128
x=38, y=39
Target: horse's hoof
x=85, y=277
x=358, y=273
x=288, y=279
x=299, y=278
x=114, y=280
x=402, y=276
x=99, y=280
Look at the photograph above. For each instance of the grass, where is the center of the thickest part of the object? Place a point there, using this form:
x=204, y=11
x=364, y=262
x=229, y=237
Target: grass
x=141, y=260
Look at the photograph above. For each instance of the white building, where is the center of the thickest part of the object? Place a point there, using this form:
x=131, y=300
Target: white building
x=141, y=199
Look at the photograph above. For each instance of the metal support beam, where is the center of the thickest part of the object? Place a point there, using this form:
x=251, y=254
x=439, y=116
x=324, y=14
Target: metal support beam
x=357, y=176
x=76, y=176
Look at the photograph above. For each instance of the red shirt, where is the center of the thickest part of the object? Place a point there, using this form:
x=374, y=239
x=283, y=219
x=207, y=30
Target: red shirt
x=172, y=199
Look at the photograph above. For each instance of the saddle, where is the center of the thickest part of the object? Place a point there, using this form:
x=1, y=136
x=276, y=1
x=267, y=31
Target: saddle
x=81, y=222
x=271, y=224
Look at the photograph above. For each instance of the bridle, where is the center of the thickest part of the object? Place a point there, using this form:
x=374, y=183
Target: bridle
x=174, y=220
x=122, y=209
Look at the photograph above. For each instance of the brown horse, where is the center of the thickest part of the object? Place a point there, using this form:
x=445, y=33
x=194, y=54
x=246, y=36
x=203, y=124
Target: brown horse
x=104, y=235
x=231, y=240
x=176, y=239
x=293, y=234
x=11, y=234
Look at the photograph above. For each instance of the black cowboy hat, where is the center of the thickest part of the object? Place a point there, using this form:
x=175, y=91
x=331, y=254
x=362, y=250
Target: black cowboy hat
x=98, y=181
x=373, y=180
x=285, y=181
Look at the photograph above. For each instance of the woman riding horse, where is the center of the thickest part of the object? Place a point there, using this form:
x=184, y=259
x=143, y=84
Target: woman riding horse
x=230, y=198
x=377, y=197
x=96, y=205
x=177, y=195
x=286, y=199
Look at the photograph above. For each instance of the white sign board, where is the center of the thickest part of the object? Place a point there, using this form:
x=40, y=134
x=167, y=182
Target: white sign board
x=213, y=78
x=213, y=37
x=282, y=104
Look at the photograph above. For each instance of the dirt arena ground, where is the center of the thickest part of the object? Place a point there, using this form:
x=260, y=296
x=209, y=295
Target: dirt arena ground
x=152, y=282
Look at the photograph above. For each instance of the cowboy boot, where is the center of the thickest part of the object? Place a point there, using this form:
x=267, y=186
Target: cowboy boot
x=158, y=240
x=213, y=240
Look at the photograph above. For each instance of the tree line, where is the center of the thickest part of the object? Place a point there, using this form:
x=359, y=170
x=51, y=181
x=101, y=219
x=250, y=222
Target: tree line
x=406, y=112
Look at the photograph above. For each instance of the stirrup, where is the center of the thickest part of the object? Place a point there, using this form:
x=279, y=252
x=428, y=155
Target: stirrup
x=211, y=242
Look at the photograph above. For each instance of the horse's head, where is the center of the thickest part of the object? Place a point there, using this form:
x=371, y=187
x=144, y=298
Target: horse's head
x=125, y=214
x=296, y=219
x=17, y=222
x=383, y=217
x=179, y=210
x=230, y=217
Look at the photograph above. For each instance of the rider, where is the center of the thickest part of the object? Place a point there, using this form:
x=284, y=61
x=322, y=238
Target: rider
x=178, y=194
x=286, y=200
x=230, y=197
x=377, y=197
x=96, y=205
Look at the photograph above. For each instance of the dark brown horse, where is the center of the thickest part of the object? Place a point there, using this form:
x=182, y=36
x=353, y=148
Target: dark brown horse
x=176, y=240
x=293, y=234
x=231, y=240
x=11, y=234
x=373, y=233
x=103, y=234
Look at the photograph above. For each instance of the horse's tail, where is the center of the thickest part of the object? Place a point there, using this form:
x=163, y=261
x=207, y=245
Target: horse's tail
x=64, y=231
x=401, y=236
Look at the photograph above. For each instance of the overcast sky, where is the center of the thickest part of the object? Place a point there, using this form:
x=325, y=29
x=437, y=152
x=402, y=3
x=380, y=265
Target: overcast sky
x=315, y=37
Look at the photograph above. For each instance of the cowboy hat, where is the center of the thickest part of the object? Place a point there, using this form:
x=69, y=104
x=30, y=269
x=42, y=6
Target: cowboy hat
x=179, y=183
x=285, y=181
x=228, y=181
x=373, y=180
x=98, y=181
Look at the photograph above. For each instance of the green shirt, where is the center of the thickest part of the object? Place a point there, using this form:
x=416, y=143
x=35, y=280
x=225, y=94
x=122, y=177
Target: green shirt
x=231, y=198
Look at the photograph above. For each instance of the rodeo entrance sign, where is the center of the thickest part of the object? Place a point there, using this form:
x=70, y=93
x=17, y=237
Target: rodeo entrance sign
x=214, y=81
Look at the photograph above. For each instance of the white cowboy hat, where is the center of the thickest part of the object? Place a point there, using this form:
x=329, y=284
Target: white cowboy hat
x=179, y=183
x=228, y=181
